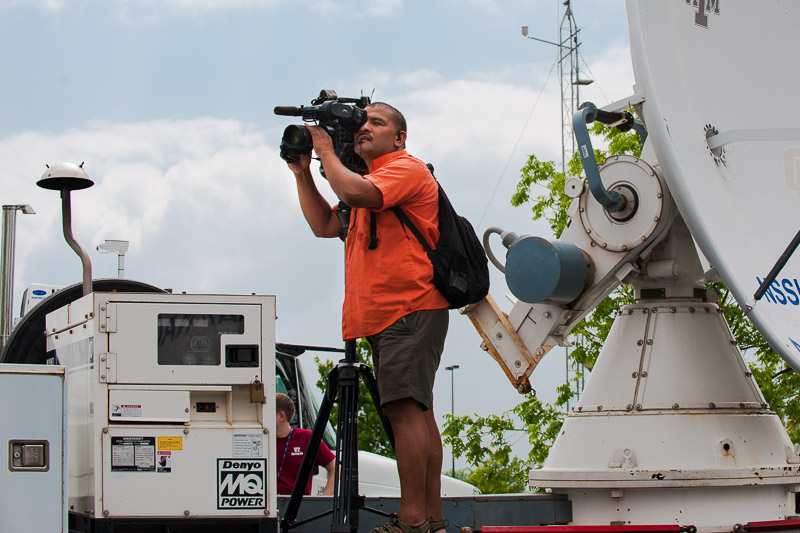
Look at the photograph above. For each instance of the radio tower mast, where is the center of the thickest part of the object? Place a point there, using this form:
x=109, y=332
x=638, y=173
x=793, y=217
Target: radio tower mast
x=570, y=82
x=569, y=76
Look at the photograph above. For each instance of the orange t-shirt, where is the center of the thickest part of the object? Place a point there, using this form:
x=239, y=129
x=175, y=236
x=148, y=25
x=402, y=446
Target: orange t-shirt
x=395, y=278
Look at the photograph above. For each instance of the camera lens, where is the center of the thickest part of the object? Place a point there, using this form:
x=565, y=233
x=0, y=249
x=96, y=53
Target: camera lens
x=297, y=137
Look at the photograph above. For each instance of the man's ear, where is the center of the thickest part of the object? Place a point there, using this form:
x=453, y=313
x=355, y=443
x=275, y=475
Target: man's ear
x=400, y=139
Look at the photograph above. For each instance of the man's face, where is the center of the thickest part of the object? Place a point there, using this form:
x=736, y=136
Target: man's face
x=378, y=135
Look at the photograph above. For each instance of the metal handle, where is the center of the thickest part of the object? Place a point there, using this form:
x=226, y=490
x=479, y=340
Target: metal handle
x=610, y=200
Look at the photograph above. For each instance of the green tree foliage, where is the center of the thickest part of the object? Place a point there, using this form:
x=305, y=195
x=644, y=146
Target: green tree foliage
x=483, y=441
x=371, y=435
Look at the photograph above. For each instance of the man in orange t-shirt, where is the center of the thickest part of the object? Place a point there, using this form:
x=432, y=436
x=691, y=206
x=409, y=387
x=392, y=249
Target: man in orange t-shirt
x=389, y=295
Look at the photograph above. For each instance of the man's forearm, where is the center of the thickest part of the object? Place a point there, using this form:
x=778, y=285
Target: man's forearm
x=315, y=207
x=351, y=188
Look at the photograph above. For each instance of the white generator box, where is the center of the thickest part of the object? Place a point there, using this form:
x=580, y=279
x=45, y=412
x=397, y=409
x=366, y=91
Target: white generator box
x=32, y=434
x=171, y=405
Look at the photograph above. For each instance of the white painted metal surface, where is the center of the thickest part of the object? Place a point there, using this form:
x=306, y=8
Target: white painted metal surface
x=33, y=497
x=161, y=423
x=722, y=67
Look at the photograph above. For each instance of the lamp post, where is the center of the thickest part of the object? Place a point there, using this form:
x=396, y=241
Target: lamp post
x=452, y=369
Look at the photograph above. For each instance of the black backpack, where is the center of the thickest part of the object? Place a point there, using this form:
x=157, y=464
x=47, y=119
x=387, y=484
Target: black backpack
x=460, y=266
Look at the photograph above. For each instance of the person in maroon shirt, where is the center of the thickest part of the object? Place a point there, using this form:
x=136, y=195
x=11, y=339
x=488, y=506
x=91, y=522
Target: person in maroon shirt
x=290, y=446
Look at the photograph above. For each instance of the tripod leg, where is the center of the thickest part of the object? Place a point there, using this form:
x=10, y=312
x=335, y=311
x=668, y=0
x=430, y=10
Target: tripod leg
x=372, y=388
x=308, y=460
x=346, y=501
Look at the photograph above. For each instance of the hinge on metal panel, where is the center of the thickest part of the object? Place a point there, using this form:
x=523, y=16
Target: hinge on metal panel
x=108, y=318
x=108, y=368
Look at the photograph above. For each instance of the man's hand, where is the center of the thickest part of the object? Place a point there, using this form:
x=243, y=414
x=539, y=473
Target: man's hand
x=323, y=143
x=302, y=165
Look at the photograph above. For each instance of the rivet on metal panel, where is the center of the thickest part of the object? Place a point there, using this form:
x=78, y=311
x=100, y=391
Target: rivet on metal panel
x=599, y=407
x=655, y=309
x=742, y=405
x=593, y=244
x=102, y=308
x=185, y=431
x=644, y=373
x=499, y=335
x=266, y=431
x=605, y=245
x=186, y=512
x=103, y=358
x=644, y=238
x=102, y=326
x=580, y=408
x=691, y=309
x=187, y=409
x=712, y=405
x=748, y=373
x=649, y=341
x=635, y=375
x=105, y=430
x=764, y=405
x=517, y=363
x=639, y=342
x=624, y=246
x=659, y=195
x=102, y=376
x=645, y=311
x=656, y=219
x=629, y=407
x=675, y=406
x=673, y=310
x=105, y=512
x=638, y=407
x=547, y=314
x=733, y=341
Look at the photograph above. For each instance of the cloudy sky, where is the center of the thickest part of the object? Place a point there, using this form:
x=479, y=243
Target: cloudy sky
x=169, y=104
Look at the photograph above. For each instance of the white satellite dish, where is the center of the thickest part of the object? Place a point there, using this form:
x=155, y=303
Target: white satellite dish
x=739, y=191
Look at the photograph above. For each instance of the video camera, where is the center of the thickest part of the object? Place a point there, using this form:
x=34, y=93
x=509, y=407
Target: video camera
x=340, y=117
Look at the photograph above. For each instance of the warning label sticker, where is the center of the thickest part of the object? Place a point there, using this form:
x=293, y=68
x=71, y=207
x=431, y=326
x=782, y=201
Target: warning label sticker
x=133, y=454
x=170, y=443
x=241, y=484
x=248, y=445
x=164, y=461
x=119, y=410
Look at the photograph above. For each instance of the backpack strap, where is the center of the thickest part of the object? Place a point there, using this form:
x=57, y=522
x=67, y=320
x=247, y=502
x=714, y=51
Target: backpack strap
x=373, y=231
x=406, y=222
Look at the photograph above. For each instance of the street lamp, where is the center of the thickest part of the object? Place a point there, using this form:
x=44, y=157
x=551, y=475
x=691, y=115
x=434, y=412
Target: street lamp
x=452, y=369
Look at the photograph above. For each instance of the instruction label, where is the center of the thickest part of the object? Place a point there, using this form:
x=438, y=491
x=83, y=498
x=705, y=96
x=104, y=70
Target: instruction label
x=133, y=454
x=241, y=484
x=248, y=445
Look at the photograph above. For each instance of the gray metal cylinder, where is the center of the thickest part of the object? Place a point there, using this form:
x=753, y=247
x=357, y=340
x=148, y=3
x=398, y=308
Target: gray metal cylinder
x=538, y=270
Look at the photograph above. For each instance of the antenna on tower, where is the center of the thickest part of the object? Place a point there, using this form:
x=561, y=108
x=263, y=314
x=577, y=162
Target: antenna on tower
x=569, y=76
x=570, y=82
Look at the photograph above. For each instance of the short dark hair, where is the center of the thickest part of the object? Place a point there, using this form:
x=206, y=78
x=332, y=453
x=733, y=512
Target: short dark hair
x=285, y=404
x=397, y=116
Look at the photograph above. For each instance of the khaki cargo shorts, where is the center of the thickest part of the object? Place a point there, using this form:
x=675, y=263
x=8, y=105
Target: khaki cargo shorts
x=406, y=356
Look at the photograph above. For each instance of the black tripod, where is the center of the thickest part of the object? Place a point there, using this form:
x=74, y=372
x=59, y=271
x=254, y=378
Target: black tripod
x=343, y=382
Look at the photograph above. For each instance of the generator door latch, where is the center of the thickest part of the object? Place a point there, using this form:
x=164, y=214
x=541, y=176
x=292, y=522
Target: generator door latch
x=28, y=455
x=257, y=391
